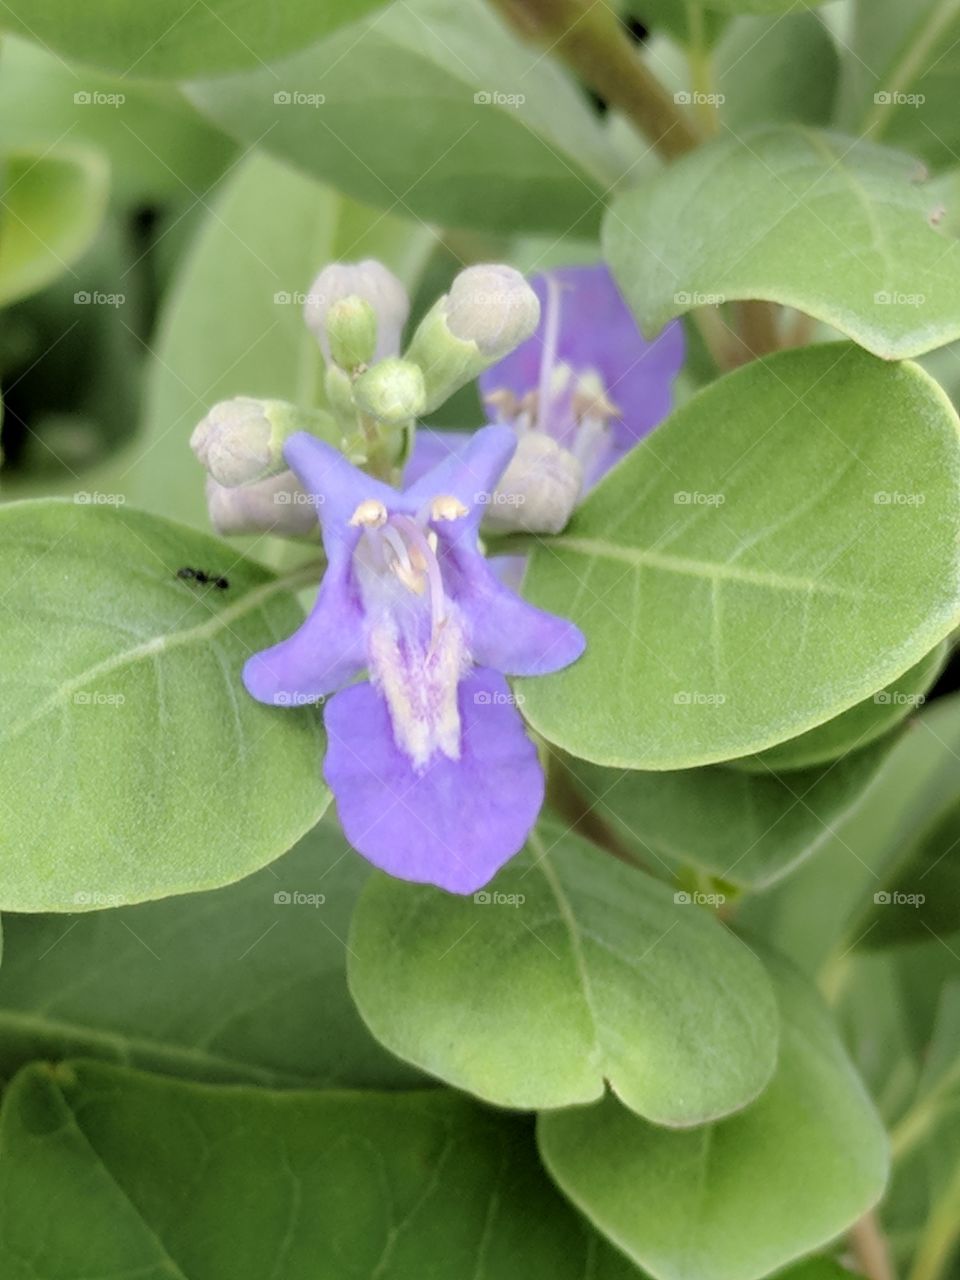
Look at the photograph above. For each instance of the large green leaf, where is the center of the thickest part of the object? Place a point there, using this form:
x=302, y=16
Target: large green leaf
x=856, y=728
x=923, y=897
x=770, y=68
x=177, y=38
x=51, y=205
x=158, y=145
x=841, y=229
x=828, y=905
x=158, y=1178
x=247, y=983
x=783, y=546
x=233, y=324
x=433, y=110
x=570, y=970
x=740, y=1198
x=134, y=763
x=749, y=830
x=900, y=75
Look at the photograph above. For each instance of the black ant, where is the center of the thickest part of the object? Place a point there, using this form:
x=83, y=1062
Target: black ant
x=204, y=579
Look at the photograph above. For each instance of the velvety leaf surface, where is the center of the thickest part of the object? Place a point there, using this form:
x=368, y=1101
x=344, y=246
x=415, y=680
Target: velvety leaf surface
x=233, y=321
x=855, y=728
x=134, y=764
x=433, y=110
x=246, y=983
x=782, y=547
x=749, y=830
x=52, y=204
x=740, y=1198
x=569, y=970
x=176, y=38
x=160, y=1179
x=843, y=230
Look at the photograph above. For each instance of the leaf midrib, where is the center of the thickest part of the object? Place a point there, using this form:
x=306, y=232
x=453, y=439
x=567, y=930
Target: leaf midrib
x=136, y=1050
x=640, y=557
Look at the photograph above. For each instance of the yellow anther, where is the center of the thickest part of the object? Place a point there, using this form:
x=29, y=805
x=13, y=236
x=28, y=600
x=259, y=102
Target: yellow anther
x=371, y=514
x=446, y=507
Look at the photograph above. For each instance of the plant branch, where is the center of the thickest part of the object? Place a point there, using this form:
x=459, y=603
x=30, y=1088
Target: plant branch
x=590, y=39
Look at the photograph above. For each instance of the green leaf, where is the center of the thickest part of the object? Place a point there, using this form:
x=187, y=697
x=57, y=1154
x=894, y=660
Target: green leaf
x=757, y=6
x=688, y=24
x=900, y=78
x=817, y=1269
x=158, y=145
x=51, y=205
x=135, y=764
x=155, y=1177
x=743, y=1197
x=826, y=906
x=761, y=69
x=841, y=229
x=749, y=830
x=244, y=984
x=570, y=970
x=855, y=728
x=739, y=586
x=778, y=67
x=173, y=39
x=433, y=110
x=923, y=897
x=233, y=323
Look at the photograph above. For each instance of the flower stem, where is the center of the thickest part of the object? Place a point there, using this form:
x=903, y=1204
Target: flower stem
x=566, y=796
x=938, y=1240
x=590, y=39
x=700, y=62
x=870, y=1248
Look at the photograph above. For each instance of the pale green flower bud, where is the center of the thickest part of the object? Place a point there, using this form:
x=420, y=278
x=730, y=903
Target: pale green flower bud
x=370, y=281
x=391, y=391
x=352, y=332
x=539, y=489
x=489, y=311
x=240, y=441
x=278, y=505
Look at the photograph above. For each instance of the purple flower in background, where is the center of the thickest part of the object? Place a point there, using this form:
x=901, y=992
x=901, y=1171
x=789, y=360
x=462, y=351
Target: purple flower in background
x=587, y=379
x=434, y=775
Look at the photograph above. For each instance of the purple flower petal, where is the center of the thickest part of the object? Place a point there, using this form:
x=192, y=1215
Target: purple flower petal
x=469, y=475
x=430, y=448
x=323, y=655
x=337, y=488
x=504, y=631
x=456, y=822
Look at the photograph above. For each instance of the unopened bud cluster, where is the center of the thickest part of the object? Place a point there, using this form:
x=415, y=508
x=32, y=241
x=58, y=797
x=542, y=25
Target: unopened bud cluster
x=373, y=394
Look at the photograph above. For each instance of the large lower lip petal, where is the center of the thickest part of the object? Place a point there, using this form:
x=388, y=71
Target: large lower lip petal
x=453, y=823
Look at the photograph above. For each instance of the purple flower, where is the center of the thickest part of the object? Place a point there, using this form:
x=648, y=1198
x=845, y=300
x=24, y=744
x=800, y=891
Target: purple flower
x=434, y=776
x=587, y=378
